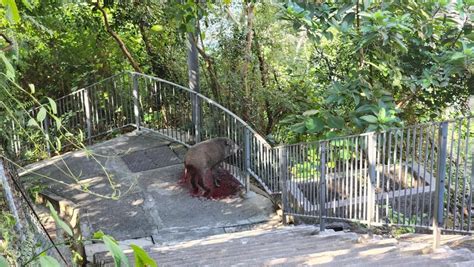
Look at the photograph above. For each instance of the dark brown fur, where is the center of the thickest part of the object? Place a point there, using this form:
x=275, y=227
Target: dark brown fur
x=201, y=158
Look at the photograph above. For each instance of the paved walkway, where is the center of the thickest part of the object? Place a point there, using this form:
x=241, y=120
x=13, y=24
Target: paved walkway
x=146, y=168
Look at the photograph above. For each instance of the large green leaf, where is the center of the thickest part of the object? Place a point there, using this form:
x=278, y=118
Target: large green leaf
x=298, y=128
x=10, y=71
x=314, y=125
x=27, y=4
x=119, y=257
x=12, y=11
x=52, y=103
x=3, y=261
x=370, y=118
x=335, y=122
x=47, y=261
x=41, y=114
x=310, y=112
x=58, y=221
x=142, y=258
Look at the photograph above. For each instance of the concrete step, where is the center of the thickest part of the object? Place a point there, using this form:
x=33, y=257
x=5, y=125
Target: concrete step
x=299, y=246
x=263, y=251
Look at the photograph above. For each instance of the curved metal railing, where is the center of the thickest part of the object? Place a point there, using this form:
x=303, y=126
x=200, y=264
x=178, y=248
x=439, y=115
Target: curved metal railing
x=131, y=99
x=403, y=176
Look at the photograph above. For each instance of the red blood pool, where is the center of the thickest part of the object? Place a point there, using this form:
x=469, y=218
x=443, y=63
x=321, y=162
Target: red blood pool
x=228, y=185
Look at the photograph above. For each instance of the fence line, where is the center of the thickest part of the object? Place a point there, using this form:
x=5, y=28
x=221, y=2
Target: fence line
x=420, y=175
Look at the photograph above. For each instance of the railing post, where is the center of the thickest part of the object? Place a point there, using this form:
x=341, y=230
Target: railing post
x=46, y=134
x=371, y=154
x=247, y=159
x=136, y=102
x=322, y=187
x=440, y=184
x=283, y=159
x=87, y=110
x=196, y=113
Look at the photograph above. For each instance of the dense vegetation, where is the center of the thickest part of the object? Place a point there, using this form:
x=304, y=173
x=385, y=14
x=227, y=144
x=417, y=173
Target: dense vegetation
x=306, y=70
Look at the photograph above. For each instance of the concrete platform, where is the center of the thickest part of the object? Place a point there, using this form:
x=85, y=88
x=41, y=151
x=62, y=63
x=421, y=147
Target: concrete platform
x=150, y=204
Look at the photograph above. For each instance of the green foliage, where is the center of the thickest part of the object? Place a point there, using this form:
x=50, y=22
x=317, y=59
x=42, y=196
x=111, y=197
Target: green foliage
x=381, y=63
x=58, y=221
x=119, y=257
x=142, y=258
x=3, y=261
x=48, y=261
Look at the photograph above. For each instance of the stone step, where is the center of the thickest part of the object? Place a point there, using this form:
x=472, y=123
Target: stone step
x=299, y=246
x=234, y=254
x=305, y=256
x=397, y=258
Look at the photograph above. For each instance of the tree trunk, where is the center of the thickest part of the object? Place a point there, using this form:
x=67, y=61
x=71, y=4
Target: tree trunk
x=248, y=60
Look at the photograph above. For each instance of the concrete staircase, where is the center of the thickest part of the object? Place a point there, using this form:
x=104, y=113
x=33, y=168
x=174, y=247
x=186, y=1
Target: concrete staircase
x=299, y=246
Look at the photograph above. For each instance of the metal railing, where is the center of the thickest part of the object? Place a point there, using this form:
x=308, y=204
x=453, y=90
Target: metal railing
x=404, y=176
x=142, y=101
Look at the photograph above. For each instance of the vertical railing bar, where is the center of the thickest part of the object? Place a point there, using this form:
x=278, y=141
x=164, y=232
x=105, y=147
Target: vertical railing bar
x=384, y=168
x=466, y=155
x=346, y=171
x=400, y=169
x=356, y=181
x=471, y=188
x=247, y=159
x=418, y=180
x=451, y=145
x=307, y=181
x=352, y=176
x=322, y=205
x=458, y=150
x=106, y=108
x=329, y=179
x=71, y=109
x=389, y=176
x=174, y=131
x=46, y=134
x=96, y=106
x=371, y=176
x=267, y=162
x=122, y=116
x=440, y=185
x=407, y=156
x=432, y=171
x=379, y=168
x=114, y=105
x=425, y=168
x=88, y=116
x=340, y=180
x=302, y=177
x=413, y=155
x=365, y=177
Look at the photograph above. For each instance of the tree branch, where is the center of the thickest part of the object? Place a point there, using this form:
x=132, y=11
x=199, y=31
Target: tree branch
x=117, y=38
x=8, y=40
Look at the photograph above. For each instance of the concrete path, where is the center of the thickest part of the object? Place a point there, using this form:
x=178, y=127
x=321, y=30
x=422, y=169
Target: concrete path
x=146, y=168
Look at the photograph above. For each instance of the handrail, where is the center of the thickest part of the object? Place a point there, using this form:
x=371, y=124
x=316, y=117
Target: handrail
x=210, y=101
